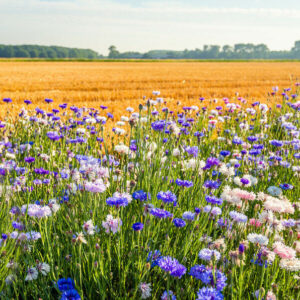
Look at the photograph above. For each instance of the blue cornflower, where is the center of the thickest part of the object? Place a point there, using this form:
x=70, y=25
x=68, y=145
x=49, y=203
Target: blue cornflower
x=200, y=272
x=252, y=139
x=159, y=125
x=167, y=197
x=241, y=248
x=117, y=201
x=210, y=162
x=225, y=153
x=207, y=254
x=168, y=295
x=172, y=266
x=65, y=284
x=29, y=159
x=160, y=213
x=213, y=200
x=70, y=295
x=288, y=223
x=238, y=217
x=184, y=183
x=141, y=195
x=210, y=184
x=286, y=186
x=237, y=141
x=27, y=102
x=192, y=150
x=179, y=222
x=209, y=293
x=188, y=215
x=276, y=143
x=137, y=226
x=254, y=152
x=154, y=257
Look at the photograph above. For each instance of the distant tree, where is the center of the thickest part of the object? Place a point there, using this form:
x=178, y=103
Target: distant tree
x=33, y=53
x=21, y=53
x=51, y=53
x=113, y=52
x=8, y=51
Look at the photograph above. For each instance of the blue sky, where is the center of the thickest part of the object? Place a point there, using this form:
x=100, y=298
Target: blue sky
x=149, y=24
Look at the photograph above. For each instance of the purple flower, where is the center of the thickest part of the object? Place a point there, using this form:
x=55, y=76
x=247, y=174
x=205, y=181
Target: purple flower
x=167, y=197
x=172, y=266
x=217, y=280
x=213, y=200
x=41, y=171
x=209, y=293
x=192, y=150
x=252, y=139
x=241, y=248
x=53, y=135
x=200, y=272
x=238, y=217
x=276, y=143
x=159, y=125
x=216, y=211
x=137, y=226
x=70, y=295
x=168, y=295
x=48, y=100
x=29, y=159
x=154, y=257
x=65, y=284
x=117, y=201
x=207, y=254
x=210, y=162
x=184, y=183
x=244, y=181
x=288, y=223
x=7, y=100
x=188, y=215
x=179, y=222
x=160, y=213
x=27, y=102
x=210, y=184
x=286, y=186
x=141, y=195
x=225, y=153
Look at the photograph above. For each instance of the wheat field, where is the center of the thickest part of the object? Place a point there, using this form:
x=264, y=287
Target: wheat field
x=122, y=84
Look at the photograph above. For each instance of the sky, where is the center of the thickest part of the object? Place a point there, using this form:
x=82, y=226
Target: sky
x=142, y=25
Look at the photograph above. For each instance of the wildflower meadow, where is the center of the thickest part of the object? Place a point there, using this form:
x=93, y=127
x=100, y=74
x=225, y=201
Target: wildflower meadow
x=189, y=202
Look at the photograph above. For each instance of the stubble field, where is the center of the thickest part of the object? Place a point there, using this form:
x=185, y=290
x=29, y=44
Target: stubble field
x=123, y=84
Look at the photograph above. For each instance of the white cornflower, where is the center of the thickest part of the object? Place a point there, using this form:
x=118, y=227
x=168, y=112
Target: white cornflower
x=88, y=227
x=145, y=289
x=257, y=239
x=32, y=274
x=290, y=264
x=10, y=279
x=120, y=123
x=122, y=149
x=43, y=268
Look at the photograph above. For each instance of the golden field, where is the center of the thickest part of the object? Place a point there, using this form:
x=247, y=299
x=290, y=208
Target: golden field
x=122, y=84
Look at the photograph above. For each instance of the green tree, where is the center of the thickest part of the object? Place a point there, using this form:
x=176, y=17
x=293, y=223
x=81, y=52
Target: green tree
x=113, y=52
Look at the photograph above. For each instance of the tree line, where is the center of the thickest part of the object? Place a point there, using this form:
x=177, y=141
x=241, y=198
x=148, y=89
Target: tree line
x=50, y=52
x=238, y=51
